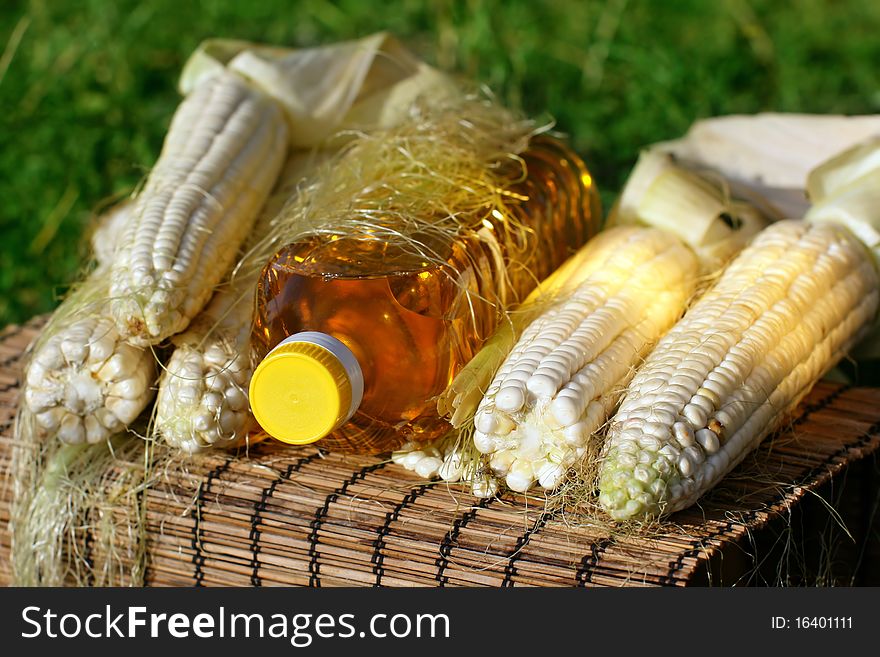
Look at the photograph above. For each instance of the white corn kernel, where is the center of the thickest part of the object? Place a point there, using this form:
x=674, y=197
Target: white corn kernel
x=428, y=467
x=684, y=435
x=695, y=415
x=708, y=441
x=71, y=430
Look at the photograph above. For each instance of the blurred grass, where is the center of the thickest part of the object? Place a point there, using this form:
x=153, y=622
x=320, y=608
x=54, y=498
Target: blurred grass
x=87, y=88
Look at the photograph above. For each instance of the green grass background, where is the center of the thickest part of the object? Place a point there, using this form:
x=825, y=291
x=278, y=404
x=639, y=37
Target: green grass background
x=87, y=88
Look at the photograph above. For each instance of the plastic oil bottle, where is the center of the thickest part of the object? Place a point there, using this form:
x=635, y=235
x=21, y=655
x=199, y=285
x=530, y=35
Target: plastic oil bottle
x=361, y=335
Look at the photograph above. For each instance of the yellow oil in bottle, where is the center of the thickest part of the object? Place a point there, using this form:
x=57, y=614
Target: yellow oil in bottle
x=409, y=323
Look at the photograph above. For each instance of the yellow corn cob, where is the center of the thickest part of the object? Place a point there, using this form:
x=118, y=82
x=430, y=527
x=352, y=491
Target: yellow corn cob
x=561, y=379
x=221, y=157
x=785, y=311
x=558, y=384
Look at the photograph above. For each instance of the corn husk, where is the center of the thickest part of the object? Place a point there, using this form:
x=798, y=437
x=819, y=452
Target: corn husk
x=847, y=192
x=843, y=169
x=695, y=204
x=767, y=157
x=351, y=86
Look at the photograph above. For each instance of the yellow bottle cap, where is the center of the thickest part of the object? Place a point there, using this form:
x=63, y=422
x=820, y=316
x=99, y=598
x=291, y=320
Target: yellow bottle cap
x=309, y=385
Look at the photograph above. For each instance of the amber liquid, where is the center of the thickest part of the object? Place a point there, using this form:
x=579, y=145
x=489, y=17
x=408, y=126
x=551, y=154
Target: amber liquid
x=413, y=325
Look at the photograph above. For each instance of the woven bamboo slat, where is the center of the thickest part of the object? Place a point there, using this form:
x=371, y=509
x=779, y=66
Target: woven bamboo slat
x=298, y=516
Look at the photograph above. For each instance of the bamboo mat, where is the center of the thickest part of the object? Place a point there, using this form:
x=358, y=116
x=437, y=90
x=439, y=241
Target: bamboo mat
x=297, y=516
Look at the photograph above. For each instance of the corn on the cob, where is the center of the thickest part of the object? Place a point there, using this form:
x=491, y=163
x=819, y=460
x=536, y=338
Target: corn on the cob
x=559, y=382
x=84, y=383
x=562, y=378
x=787, y=309
x=458, y=459
x=221, y=157
x=202, y=399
